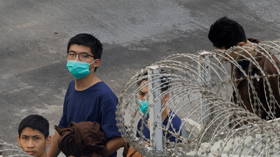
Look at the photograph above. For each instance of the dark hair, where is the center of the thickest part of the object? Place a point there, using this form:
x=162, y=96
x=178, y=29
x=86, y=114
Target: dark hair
x=164, y=83
x=164, y=80
x=225, y=33
x=35, y=122
x=87, y=40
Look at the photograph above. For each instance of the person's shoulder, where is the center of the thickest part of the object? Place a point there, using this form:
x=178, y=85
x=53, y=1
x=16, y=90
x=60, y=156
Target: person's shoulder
x=71, y=83
x=103, y=89
x=71, y=86
x=102, y=86
x=176, y=120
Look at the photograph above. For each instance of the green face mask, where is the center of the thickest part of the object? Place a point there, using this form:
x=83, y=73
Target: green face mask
x=78, y=69
x=143, y=106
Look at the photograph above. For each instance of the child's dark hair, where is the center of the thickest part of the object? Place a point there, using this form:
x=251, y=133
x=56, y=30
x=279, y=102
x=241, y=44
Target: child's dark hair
x=88, y=40
x=225, y=33
x=35, y=122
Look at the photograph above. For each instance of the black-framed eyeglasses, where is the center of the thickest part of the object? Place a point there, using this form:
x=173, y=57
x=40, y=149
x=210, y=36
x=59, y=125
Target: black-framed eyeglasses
x=82, y=56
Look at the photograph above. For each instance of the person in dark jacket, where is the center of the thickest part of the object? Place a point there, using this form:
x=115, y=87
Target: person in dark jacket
x=253, y=89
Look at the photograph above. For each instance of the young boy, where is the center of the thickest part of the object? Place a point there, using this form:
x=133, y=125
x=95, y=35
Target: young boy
x=88, y=98
x=33, y=135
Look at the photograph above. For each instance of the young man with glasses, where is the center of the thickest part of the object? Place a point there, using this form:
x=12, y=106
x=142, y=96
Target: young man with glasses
x=88, y=98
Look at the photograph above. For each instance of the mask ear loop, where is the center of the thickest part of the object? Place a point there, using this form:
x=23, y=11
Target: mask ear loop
x=92, y=70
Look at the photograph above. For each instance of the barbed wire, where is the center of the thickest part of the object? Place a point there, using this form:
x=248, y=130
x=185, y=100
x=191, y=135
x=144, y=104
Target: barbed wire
x=220, y=103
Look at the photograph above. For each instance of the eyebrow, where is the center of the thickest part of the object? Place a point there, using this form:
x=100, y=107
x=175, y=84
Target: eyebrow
x=30, y=136
x=80, y=52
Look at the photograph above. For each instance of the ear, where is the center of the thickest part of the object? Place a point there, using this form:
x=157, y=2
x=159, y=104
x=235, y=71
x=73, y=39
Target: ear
x=48, y=140
x=97, y=62
x=165, y=98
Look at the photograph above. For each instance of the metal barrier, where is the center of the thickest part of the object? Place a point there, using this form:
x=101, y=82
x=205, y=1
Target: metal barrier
x=226, y=102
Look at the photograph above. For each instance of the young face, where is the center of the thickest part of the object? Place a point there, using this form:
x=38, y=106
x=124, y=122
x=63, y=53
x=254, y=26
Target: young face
x=33, y=142
x=83, y=54
x=144, y=89
x=143, y=93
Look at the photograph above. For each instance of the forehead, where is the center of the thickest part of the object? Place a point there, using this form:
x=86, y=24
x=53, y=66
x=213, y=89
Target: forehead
x=144, y=82
x=31, y=132
x=79, y=48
